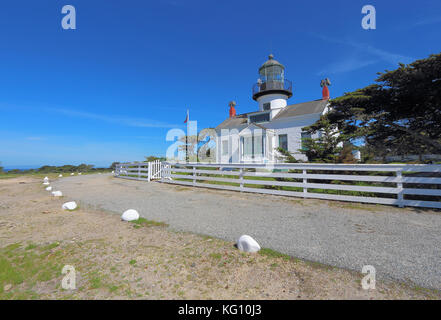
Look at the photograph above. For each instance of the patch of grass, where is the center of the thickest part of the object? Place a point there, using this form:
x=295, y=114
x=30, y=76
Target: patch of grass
x=96, y=283
x=50, y=246
x=113, y=288
x=31, y=246
x=274, y=254
x=216, y=256
x=319, y=265
x=142, y=222
x=355, y=206
x=22, y=267
x=132, y=262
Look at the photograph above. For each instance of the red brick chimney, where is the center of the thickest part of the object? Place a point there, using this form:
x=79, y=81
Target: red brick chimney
x=325, y=83
x=232, y=104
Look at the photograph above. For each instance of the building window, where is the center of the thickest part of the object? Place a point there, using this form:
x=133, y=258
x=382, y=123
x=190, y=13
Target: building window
x=263, y=117
x=283, y=141
x=225, y=147
x=253, y=146
x=267, y=106
x=248, y=146
x=305, y=137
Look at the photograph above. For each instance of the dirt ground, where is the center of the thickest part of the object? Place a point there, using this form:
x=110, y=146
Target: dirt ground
x=121, y=260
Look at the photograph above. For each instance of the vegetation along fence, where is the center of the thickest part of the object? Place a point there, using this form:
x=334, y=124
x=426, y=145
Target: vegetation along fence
x=401, y=185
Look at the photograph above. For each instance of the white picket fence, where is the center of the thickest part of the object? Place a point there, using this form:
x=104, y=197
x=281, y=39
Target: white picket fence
x=147, y=171
x=401, y=185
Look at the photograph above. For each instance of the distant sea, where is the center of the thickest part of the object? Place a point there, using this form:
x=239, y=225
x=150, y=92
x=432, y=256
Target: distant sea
x=9, y=168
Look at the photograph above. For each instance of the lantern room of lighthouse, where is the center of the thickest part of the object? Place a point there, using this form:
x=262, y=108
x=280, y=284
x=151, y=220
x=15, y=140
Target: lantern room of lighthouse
x=272, y=89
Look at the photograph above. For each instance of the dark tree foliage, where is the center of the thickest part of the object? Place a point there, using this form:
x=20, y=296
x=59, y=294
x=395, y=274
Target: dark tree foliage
x=286, y=156
x=68, y=168
x=399, y=114
x=113, y=165
x=154, y=158
x=327, y=146
x=346, y=155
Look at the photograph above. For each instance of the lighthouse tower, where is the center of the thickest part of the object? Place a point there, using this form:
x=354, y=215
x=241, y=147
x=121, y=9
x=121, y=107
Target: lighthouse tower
x=272, y=90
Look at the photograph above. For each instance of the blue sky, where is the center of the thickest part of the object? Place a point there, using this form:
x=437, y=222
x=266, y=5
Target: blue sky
x=111, y=89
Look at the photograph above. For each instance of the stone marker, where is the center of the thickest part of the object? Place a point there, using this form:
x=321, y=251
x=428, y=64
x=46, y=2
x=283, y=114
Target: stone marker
x=130, y=215
x=72, y=205
x=247, y=244
x=57, y=193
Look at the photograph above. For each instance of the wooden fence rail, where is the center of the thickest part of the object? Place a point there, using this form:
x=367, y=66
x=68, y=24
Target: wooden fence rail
x=401, y=185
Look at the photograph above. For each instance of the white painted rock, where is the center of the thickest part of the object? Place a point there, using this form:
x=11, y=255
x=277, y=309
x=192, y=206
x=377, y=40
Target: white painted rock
x=113, y=171
x=72, y=174
x=130, y=215
x=46, y=183
x=60, y=176
x=79, y=173
x=247, y=244
x=46, y=179
x=57, y=193
x=49, y=189
x=72, y=205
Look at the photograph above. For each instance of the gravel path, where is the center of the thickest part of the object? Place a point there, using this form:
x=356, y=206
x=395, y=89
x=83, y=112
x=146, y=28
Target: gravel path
x=402, y=244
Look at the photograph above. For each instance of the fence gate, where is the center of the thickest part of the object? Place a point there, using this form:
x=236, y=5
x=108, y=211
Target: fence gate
x=140, y=170
x=155, y=170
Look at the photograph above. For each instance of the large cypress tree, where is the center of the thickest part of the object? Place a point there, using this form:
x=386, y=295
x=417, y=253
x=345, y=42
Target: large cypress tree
x=399, y=114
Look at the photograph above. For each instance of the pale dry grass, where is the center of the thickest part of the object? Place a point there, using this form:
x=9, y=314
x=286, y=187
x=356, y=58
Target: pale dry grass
x=119, y=260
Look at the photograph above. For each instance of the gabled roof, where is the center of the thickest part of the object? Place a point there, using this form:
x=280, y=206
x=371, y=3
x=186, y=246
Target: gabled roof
x=300, y=109
x=312, y=107
x=255, y=125
x=240, y=121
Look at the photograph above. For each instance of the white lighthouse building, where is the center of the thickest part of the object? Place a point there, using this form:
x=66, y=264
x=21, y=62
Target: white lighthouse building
x=254, y=137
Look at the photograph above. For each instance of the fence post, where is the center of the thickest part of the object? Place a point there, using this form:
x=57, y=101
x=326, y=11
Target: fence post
x=139, y=171
x=194, y=175
x=161, y=175
x=241, y=178
x=305, y=181
x=149, y=172
x=400, y=189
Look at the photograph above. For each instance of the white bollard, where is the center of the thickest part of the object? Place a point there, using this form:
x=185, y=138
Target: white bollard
x=72, y=205
x=130, y=215
x=247, y=244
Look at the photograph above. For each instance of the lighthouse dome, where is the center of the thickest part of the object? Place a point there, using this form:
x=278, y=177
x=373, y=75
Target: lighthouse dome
x=271, y=63
x=272, y=80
